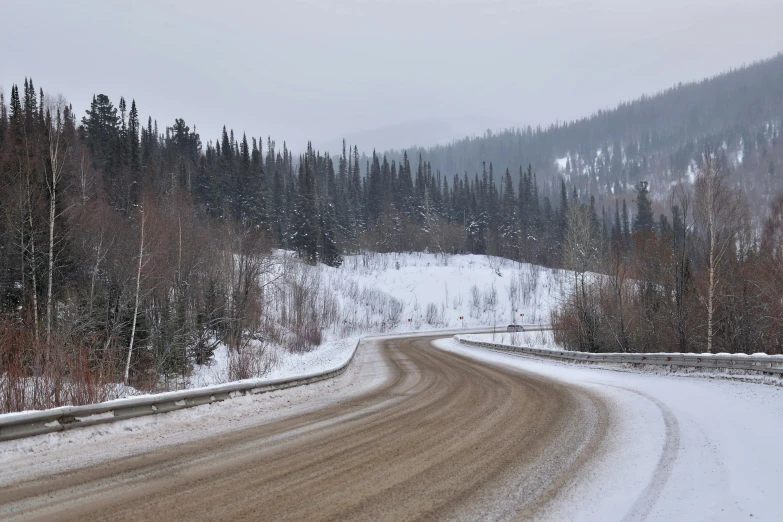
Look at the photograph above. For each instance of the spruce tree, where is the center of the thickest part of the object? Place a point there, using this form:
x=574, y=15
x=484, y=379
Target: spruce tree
x=15, y=108
x=329, y=251
x=508, y=215
x=30, y=106
x=562, y=213
x=305, y=235
x=122, y=144
x=257, y=190
x=100, y=130
x=644, y=221
x=3, y=119
x=147, y=144
x=626, y=226
x=133, y=138
x=277, y=201
x=617, y=229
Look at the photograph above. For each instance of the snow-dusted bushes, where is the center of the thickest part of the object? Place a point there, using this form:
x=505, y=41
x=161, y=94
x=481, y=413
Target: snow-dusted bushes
x=311, y=301
x=251, y=360
x=69, y=370
x=436, y=315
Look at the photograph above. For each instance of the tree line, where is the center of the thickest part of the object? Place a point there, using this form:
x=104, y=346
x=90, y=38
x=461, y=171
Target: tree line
x=658, y=139
x=698, y=278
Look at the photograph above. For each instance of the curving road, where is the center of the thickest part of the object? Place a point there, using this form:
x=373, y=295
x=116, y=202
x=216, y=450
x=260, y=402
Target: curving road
x=441, y=437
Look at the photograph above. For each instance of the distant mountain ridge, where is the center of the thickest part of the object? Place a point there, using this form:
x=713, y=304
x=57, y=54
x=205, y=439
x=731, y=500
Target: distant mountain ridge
x=420, y=133
x=657, y=138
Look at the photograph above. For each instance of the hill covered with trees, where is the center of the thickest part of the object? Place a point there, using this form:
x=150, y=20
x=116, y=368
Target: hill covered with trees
x=657, y=139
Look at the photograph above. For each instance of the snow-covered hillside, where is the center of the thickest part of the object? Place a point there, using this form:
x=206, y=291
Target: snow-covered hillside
x=436, y=290
x=379, y=293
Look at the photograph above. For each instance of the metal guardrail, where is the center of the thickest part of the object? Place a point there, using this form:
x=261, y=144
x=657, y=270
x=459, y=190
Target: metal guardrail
x=496, y=329
x=767, y=364
x=22, y=425
x=17, y=426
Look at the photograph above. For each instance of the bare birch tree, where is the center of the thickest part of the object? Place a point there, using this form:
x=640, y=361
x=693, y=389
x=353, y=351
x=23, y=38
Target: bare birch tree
x=720, y=211
x=56, y=161
x=582, y=251
x=136, y=302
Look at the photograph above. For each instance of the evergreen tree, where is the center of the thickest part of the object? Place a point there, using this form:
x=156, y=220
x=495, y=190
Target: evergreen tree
x=509, y=229
x=306, y=234
x=3, y=119
x=133, y=138
x=617, y=229
x=664, y=227
x=329, y=252
x=644, y=221
x=277, y=200
x=15, y=118
x=626, y=226
x=100, y=129
x=147, y=144
x=122, y=142
x=562, y=214
x=30, y=107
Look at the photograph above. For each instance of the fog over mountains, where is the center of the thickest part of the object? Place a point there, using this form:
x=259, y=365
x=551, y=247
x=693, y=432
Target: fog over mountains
x=656, y=138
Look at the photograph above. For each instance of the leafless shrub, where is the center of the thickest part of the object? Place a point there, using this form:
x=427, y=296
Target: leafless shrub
x=490, y=298
x=512, y=290
x=475, y=302
x=68, y=371
x=249, y=361
x=435, y=315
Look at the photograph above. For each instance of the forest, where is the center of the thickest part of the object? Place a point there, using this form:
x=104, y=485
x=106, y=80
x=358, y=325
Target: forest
x=129, y=251
x=655, y=138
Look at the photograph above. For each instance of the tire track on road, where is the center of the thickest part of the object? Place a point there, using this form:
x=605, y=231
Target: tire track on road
x=647, y=499
x=444, y=437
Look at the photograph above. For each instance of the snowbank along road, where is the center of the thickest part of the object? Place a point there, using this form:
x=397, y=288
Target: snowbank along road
x=411, y=431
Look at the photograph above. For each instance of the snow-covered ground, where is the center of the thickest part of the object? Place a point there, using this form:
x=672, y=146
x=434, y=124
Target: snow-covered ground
x=436, y=290
x=401, y=292
x=545, y=339
x=679, y=449
x=532, y=339
x=282, y=364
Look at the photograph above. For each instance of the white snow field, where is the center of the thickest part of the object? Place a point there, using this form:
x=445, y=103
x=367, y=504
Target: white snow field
x=436, y=289
x=678, y=449
x=378, y=293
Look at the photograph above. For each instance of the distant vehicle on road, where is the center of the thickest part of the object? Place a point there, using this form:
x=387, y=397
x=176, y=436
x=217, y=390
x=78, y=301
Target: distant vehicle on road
x=515, y=328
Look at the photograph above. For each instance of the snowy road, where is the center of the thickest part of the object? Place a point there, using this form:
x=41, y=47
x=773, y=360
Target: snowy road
x=410, y=431
x=678, y=448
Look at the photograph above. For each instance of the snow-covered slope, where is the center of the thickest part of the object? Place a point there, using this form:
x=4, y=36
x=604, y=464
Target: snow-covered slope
x=376, y=293
x=436, y=290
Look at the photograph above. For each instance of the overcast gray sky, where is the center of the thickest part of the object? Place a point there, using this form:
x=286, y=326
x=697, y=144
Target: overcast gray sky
x=410, y=71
